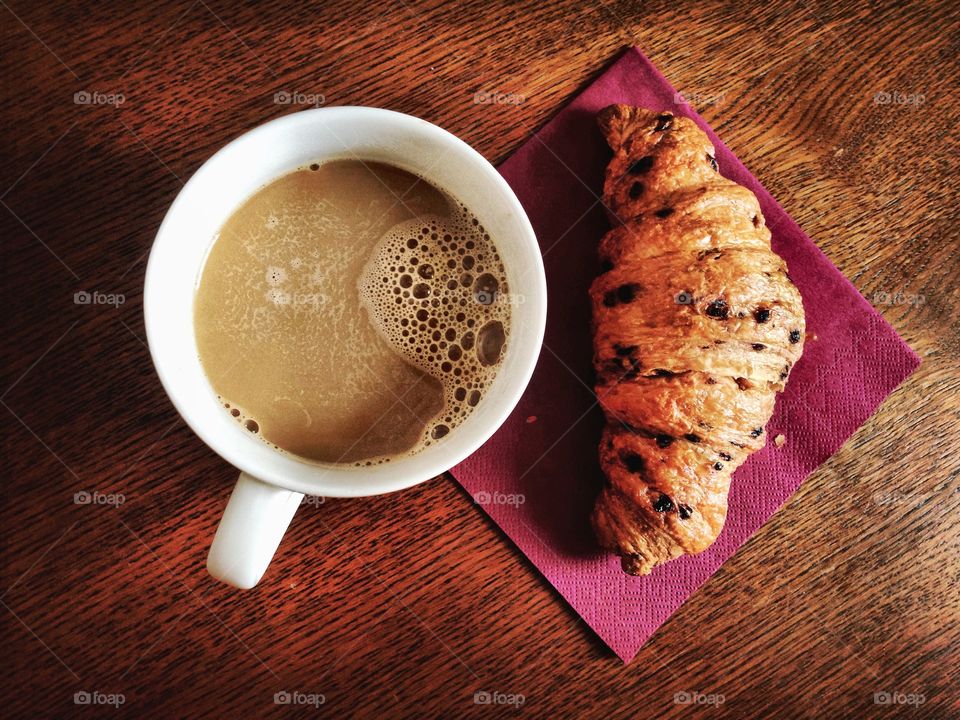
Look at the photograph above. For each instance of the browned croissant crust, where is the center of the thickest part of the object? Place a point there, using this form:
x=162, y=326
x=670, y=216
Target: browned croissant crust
x=696, y=328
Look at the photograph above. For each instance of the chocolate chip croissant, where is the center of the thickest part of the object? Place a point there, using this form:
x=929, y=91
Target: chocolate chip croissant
x=696, y=328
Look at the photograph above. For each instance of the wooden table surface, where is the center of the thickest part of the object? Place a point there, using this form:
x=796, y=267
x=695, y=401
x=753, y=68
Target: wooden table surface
x=406, y=605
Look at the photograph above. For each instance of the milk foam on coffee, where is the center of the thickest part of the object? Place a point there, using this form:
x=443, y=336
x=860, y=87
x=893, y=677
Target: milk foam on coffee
x=351, y=312
x=435, y=289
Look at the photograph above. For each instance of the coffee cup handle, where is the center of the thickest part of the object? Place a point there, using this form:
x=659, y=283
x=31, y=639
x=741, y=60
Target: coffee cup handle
x=253, y=523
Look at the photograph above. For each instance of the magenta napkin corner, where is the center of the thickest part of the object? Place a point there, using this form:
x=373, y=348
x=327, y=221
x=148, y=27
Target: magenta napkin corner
x=539, y=474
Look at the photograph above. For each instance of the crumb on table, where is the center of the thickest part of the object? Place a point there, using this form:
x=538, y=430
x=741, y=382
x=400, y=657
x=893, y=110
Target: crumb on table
x=779, y=440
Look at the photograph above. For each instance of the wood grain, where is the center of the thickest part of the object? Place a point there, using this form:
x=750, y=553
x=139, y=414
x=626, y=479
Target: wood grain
x=406, y=605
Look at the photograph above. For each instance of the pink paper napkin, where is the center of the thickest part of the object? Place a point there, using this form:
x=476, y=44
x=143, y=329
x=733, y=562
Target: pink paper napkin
x=538, y=476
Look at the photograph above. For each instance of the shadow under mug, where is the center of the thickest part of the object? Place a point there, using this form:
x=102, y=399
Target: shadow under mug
x=272, y=483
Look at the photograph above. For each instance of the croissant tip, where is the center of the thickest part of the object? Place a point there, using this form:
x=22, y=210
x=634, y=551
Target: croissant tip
x=610, y=111
x=610, y=120
x=636, y=565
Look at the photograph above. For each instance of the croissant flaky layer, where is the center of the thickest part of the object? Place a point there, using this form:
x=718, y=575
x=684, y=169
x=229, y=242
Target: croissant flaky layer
x=696, y=328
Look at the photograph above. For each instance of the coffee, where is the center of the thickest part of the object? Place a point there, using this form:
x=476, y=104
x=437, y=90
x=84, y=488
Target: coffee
x=351, y=312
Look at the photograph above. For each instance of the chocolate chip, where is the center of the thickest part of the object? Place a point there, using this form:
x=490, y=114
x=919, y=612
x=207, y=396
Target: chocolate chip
x=726, y=456
x=794, y=336
x=660, y=372
x=685, y=511
x=713, y=163
x=718, y=309
x=636, y=190
x=633, y=462
x=664, y=441
x=664, y=212
x=756, y=432
x=627, y=293
x=742, y=383
x=663, y=504
x=606, y=265
x=624, y=350
x=756, y=220
x=643, y=165
x=718, y=466
x=692, y=438
x=610, y=298
x=784, y=372
x=664, y=122
x=761, y=315
x=759, y=346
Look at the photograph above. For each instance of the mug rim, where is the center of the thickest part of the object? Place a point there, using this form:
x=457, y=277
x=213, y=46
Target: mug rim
x=330, y=479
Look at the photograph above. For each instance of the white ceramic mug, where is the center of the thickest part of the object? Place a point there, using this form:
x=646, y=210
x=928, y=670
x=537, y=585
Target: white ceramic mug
x=272, y=483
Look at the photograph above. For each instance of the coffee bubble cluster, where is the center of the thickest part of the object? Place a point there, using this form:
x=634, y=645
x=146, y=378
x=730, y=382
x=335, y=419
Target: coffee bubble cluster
x=433, y=289
x=248, y=422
